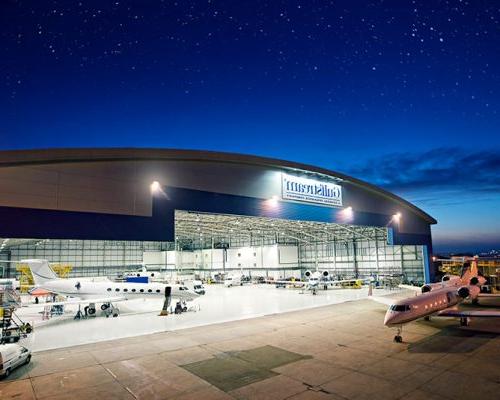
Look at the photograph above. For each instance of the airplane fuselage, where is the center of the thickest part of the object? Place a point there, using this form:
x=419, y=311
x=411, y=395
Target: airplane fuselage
x=87, y=289
x=410, y=309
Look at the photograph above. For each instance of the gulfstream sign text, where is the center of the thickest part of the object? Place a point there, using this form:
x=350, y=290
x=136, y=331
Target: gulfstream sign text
x=310, y=190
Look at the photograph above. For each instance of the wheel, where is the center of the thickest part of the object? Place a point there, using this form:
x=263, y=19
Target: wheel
x=28, y=359
x=398, y=339
x=115, y=315
x=7, y=373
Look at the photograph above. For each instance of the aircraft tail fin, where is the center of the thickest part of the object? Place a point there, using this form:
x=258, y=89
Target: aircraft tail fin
x=471, y=273
x=41, y=271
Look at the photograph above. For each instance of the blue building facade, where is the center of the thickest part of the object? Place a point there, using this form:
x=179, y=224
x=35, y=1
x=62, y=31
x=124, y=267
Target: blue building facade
x=105, y=194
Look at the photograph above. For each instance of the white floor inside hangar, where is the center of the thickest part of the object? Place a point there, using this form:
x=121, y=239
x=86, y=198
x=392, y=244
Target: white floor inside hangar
x=220, y=304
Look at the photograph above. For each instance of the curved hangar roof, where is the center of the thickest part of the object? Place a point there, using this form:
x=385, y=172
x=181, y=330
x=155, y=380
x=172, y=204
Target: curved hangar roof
x=19, y=158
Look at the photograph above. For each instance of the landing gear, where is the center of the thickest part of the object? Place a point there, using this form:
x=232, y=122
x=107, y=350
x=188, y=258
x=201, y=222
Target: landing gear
x=110, y=310
x=427, y=318
x=398, y=338
x=180, y=307
x=464, y=321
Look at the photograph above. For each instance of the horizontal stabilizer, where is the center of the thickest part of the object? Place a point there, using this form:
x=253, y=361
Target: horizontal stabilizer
x=411, y=287
x=454, y=312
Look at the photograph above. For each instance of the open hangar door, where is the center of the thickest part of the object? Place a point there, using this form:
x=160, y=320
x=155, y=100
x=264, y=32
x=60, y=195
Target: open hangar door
x=210, y=245
x=214, y=244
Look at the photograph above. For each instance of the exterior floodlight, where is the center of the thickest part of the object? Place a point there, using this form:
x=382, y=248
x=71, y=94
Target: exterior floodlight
x=345, y=215
x=397, y=217
x=155, y=187
x=273, y=201
x=347, y=211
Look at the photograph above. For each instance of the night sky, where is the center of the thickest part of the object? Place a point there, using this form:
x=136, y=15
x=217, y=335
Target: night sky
x=403, y=94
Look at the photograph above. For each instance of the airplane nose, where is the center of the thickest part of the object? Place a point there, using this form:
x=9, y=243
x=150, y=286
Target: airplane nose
x=388, y=318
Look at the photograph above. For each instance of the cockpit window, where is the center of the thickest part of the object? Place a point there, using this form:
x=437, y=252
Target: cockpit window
x=400, y=307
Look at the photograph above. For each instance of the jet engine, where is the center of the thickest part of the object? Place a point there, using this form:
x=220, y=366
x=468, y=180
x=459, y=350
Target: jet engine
x=325, y=274
x=426, y=288
x=463, y=292
x=468, y=291
x=307, y=274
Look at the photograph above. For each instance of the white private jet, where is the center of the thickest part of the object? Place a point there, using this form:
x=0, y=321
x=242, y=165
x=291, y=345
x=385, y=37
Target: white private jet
x=99, y=289
x=153, y=276
x=315, y=280
x=439, y=301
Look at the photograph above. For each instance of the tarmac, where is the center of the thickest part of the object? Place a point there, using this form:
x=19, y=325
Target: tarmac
x=141, y=317
x=339, y=351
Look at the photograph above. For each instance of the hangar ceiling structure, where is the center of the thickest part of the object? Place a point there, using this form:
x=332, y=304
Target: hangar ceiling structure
x=198, y=227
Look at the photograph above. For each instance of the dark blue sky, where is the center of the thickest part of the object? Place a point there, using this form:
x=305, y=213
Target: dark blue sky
x=404, y=94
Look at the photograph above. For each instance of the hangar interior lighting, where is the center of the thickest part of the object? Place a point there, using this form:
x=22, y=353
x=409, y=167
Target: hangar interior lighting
x=397, y=217
x=231, y=228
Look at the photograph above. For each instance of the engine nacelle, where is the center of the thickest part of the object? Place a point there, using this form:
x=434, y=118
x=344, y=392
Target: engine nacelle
x=469, y=291
x=463, y=292
x=426, y=288
x=446, y=278
x=307, y=274
x=325, y=274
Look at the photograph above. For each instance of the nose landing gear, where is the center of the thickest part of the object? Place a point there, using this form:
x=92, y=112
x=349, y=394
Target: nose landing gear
x=398, y=338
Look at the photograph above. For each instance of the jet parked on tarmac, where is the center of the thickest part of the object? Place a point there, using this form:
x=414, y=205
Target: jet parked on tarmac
x=99, y=290
x=441, y=301
x=315, y=280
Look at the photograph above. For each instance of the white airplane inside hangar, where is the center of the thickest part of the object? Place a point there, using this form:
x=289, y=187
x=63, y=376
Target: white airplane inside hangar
x=258, y=236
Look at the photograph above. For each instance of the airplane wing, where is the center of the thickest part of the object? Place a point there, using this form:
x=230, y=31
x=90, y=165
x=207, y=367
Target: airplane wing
x=455, y=312
x=293, y=283
x=411, y=287
x=383, y=300
x=87, y=301
x=335, y=282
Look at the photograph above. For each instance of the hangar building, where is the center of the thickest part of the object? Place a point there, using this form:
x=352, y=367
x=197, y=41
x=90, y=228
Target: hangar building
x=104, y=211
